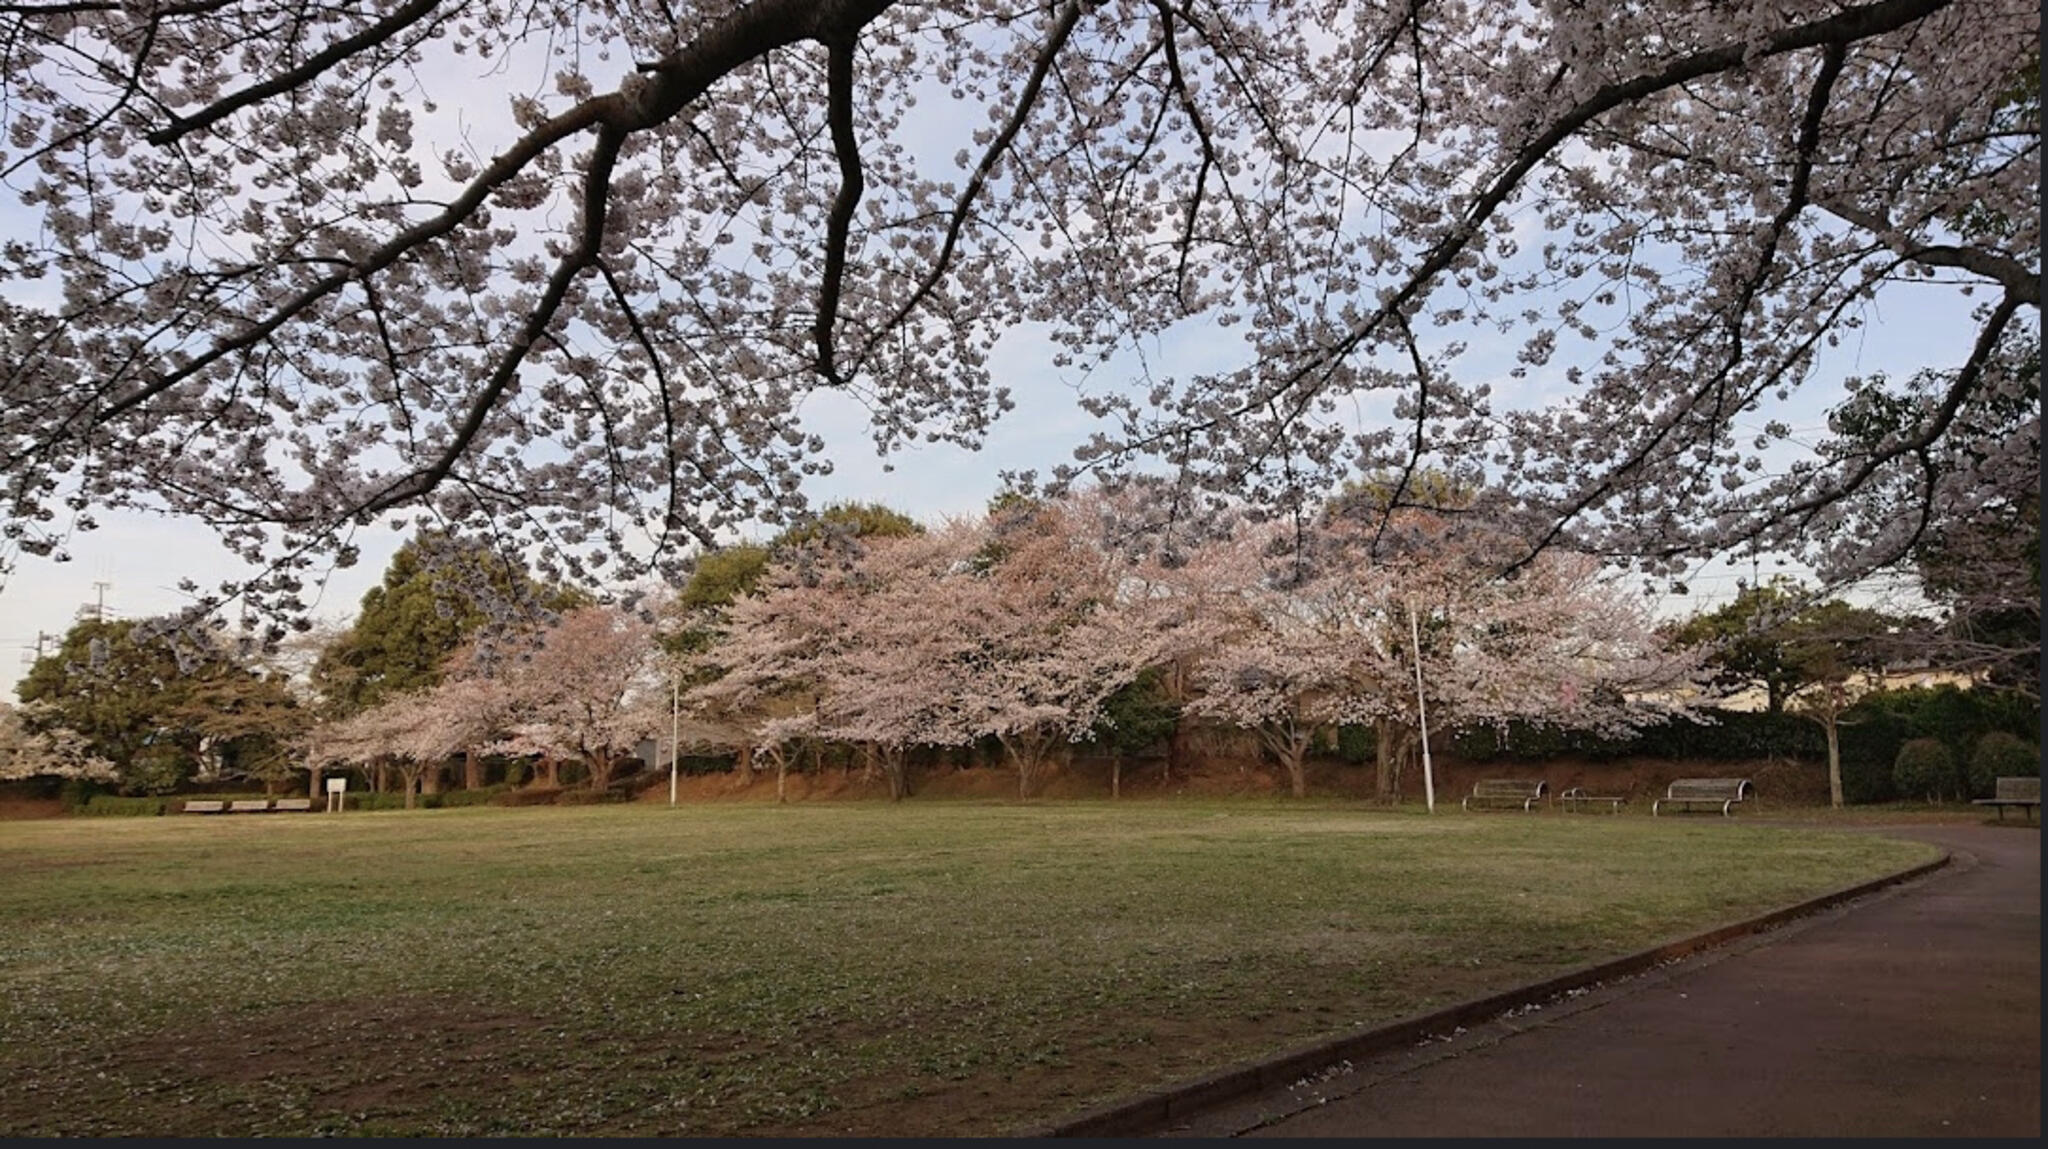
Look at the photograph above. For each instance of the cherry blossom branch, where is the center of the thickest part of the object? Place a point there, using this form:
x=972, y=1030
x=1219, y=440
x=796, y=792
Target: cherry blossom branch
x=1063, y=26
x=596, y=183
x=1952, y=402
x=839, y=117
x=320, y=62
x=2020, y=282
x=1842, y=28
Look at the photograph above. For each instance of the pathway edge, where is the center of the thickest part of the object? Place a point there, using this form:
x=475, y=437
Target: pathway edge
x=1155, y=1108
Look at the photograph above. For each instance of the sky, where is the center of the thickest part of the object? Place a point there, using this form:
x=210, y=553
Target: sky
x=131, y=566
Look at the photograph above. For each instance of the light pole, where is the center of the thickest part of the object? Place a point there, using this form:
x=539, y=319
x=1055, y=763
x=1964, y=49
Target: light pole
x=675, y=710
x=1421, y=709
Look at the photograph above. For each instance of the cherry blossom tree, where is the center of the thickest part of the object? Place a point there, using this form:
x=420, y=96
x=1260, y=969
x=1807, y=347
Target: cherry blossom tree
x=31, y=750
x=574, y=696
x=266, y=275
x=1334, y=638
x=406, y=732
x=1007, y=627
x=851, y=645
x=1050, y=639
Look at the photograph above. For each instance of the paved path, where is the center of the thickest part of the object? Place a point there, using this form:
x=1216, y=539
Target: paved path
x=1915, y=1011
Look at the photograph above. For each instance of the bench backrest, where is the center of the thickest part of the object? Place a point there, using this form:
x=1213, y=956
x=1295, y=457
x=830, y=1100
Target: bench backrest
x=2019, y=789
x=249, y=806
x=203, y=807
x=293, y=804
x=1719, y=789
x=1510, y=788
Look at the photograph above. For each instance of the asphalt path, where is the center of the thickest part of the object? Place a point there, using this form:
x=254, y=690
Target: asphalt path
x=1914, y=1011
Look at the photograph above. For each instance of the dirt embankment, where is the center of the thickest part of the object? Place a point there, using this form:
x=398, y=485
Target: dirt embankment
x=1640, y=780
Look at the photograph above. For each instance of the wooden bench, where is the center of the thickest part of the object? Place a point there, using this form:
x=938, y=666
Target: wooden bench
x=1576, y=800
x=293, y=804
x=249, y=806
x=1506, y=794
x=203, y=806
x=1720, y=794
x=2022, y=792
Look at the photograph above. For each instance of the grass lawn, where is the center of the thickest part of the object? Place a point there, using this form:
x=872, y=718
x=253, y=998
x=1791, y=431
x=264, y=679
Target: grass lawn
x=929, y=968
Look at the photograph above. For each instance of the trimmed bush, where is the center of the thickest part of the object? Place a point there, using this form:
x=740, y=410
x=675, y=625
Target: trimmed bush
x=389, y=800
x=590, y=797
x=1720, y=736
x=537, y=796
x=76, y=793
x=2001, y=755
x=1924, y=769
x=114, y=806
x=483, y=797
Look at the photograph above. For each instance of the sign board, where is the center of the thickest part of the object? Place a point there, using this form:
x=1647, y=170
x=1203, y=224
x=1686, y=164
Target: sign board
x=337, y=785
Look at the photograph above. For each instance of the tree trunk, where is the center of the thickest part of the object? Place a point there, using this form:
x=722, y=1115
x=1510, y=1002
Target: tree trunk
x=1176, y=743
x=1395, y=746
x=1297, y=774
x=547, y=772
x=430, y=778
x=1116, y=776
x=600, y=769
x=1027, y=752
x=1290, y=745
x=379, y=779
x=313, y=782
x=897, y=769
x=472, y=770
x=781, y=778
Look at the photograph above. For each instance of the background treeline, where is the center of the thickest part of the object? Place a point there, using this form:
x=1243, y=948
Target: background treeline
x=1102, y=626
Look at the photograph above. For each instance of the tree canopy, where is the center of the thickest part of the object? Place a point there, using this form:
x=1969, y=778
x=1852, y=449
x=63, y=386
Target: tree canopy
x=159, y=704
x=570, y=273
x=436, y=596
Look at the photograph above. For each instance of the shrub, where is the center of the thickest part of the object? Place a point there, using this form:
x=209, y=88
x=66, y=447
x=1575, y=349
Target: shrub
x=1924, y=768
x=592, y=797
x=2001, y=755
x=371, y=800
x=75, y=793
x=114, y=806
x=482, y=797
x=537, y=796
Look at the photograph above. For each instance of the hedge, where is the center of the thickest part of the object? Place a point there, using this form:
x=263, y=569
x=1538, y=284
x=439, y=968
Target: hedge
x=115, y=806
x=2000, y=754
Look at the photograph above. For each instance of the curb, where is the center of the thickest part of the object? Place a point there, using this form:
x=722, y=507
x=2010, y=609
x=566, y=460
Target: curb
x=1154, y=1109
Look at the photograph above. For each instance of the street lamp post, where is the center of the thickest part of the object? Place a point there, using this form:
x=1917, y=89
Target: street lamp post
x=675, y=709
x=1421, y=709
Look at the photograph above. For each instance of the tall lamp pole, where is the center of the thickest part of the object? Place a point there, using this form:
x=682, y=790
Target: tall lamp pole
x=1421, y=709
x=675, y=709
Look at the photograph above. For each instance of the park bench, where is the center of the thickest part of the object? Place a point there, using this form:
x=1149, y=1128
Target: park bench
x=1719, y=794
x=203, y=807
x=1576, y=800
x=249, y=806
x=2022, y=792
x=1506, y=794
x=293, y=804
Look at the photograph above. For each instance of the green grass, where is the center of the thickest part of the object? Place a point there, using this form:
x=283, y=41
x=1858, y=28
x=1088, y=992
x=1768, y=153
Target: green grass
x=938, y=968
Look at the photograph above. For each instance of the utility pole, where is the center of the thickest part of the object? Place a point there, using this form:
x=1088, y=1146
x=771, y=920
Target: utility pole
x=675, y=710
x=42, y=637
